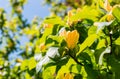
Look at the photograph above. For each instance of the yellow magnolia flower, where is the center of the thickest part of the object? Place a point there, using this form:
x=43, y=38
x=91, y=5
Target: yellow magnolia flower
x=107, y=6
x=42, y=46
x=18, y=9
x=78, y=10
x=71, y=39
x=68, y=76
x=70, y=14
x=48, y=25
x=19, y=60
x=110, y=17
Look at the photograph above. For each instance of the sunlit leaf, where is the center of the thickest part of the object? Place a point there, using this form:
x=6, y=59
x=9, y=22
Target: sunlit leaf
x=56, y=38
x=66, y=68
x=116, y=12
x=101, y=44
x=32, y=63
x=86, y=13
x=49, y=73
x=117, y=41
x=24, y=65
x=47, y=32
x=54, y=20
x=88, y=42
x=92, y=30
x=27, y=76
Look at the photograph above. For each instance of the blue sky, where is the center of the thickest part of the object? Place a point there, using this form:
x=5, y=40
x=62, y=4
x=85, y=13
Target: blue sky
x=31, y=9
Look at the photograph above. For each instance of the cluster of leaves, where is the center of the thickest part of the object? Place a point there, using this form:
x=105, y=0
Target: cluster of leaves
x=84, y=44
x=61, y=7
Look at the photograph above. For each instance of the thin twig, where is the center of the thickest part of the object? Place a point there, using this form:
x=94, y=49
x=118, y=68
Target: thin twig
x=111, y=41
x=75, y=59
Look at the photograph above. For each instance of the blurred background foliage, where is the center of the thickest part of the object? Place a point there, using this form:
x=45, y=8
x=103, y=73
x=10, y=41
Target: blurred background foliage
x=61, y=7
x=44, y=41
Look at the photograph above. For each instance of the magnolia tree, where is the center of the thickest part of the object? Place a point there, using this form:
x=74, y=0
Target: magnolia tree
x=82, y=42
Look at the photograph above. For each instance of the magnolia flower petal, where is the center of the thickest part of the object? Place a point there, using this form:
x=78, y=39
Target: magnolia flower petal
x=72, y=39
x=52, y=51
x=39, y=66
x=61, y=30
x=107, y=50
x=101, y=25
x=38, y=57
x=107, y=6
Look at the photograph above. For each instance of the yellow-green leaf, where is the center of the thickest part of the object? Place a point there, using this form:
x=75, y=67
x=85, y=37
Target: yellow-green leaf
x=32, y=63
x=117, y=41
x=101, y=44
x=54, y=20
x=88, y=42
x=24, y=65
x=116, y=12
x=49, y=73
x=27, y=76
x=66, y=68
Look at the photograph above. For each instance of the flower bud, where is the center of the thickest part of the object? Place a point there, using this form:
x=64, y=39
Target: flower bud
x=71, y=39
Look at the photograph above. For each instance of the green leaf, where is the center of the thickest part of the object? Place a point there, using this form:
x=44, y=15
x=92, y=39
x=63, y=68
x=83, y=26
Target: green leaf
x=86, y=13
x=27, y=76
x=56, y=38
x=47, y=32
x=49, y=73
x=56, y=28
x=24, y=65
x=115, y=66
x=92, y=30
x=117, y=41
x=88, y=42
x=67, y=68
x=101, y=44
x=74, y=68
x=116, y=50
x=91, y=73
x=116, y=12
x=54, y=20
x=32, y=63
x=90, y=57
